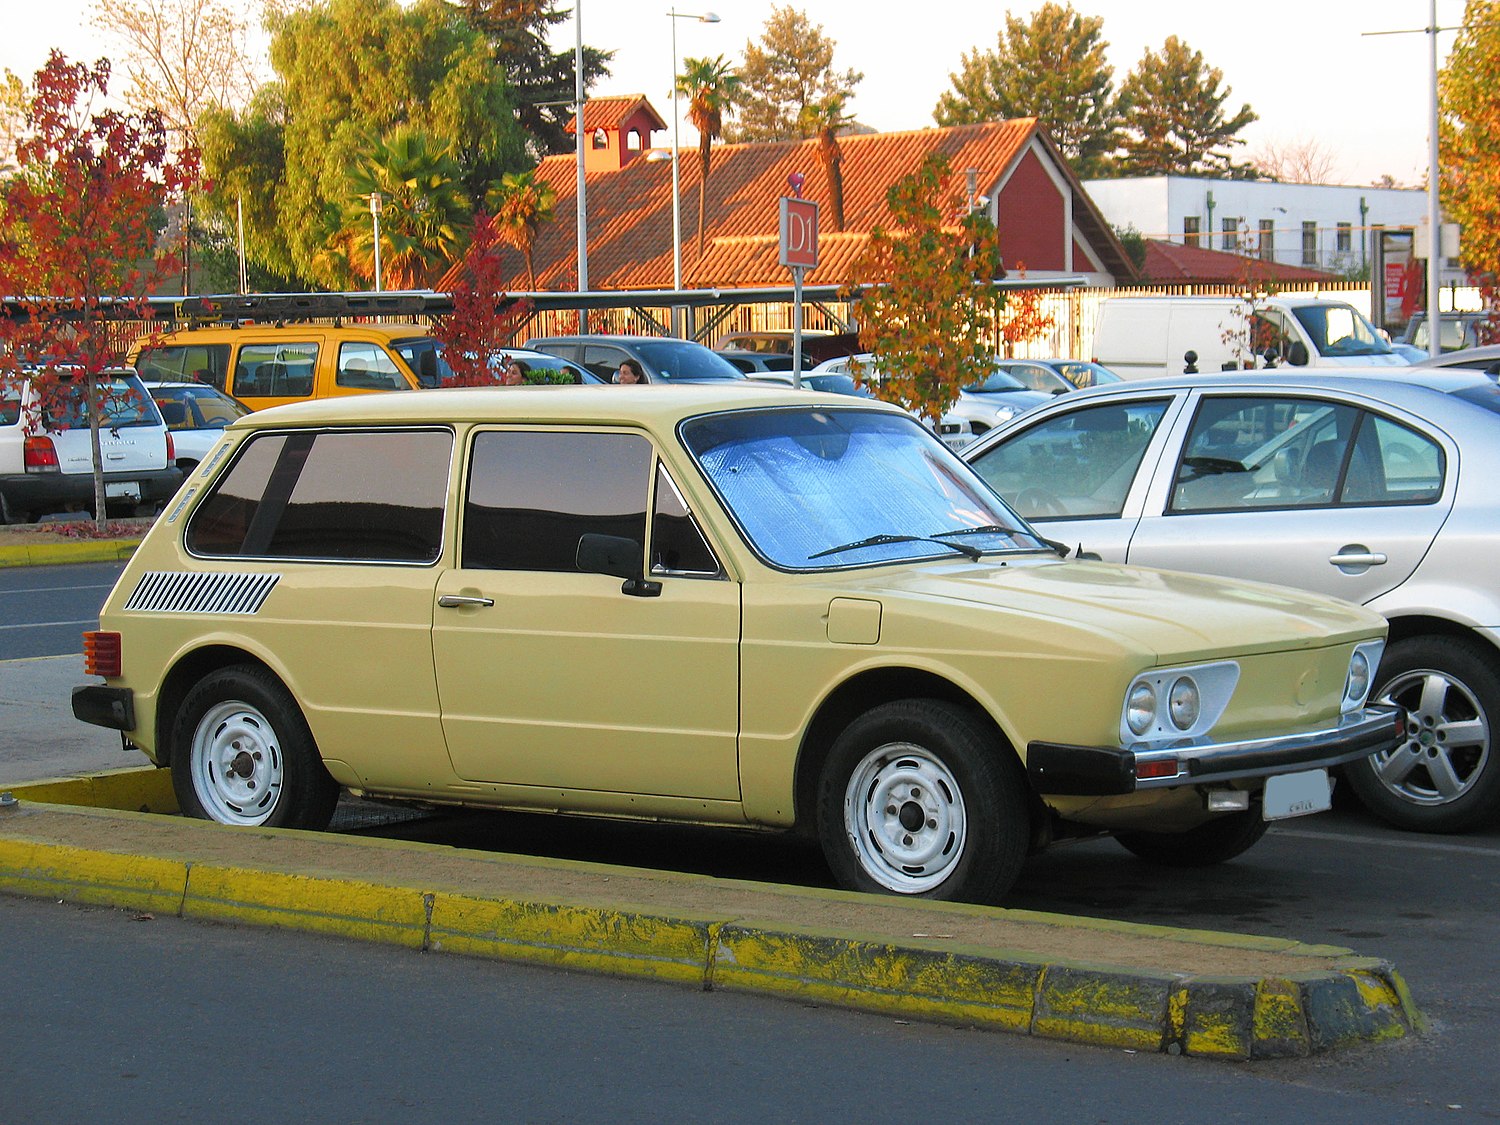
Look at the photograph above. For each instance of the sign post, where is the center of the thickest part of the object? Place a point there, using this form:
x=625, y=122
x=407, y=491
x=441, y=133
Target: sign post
x=799, y=252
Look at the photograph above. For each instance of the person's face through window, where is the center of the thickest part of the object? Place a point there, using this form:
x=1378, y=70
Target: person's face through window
x=513, y=374
x=626, y=375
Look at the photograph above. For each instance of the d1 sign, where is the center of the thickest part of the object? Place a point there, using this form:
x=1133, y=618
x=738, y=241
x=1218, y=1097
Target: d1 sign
x=799, y=233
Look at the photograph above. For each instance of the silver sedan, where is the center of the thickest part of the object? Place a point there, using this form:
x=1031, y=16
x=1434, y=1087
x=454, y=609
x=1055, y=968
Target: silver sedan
x=1375, y=487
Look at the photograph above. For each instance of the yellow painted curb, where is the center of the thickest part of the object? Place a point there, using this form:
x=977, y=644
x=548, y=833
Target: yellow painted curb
x=83, y=551
x=133, y=788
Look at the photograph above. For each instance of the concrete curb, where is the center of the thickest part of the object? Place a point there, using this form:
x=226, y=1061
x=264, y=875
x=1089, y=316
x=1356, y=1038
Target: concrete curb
x=82, y=551
x=1018, y=990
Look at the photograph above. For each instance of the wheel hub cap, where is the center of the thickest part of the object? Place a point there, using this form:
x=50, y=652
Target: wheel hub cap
x=1447, y=739
x=904, y=815
x=236, y=764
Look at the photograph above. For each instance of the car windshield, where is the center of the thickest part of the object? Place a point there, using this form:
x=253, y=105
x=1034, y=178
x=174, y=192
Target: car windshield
x=1038, y=378
x=1338, y=330
x=999, y=382
x=424, y=356
x=678, y=360
x=814, y=489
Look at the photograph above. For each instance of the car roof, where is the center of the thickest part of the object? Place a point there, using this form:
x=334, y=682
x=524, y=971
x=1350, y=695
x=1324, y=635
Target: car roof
x=1481, y=356
x=384, y=329
x=622, y=339
x=658, y=407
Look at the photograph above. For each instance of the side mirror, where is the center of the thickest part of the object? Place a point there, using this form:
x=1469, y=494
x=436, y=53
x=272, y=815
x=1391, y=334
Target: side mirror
x=1297, y=354
x=617, y=556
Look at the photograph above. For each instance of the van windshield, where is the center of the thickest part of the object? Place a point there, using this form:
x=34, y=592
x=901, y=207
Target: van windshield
x=1338, y=330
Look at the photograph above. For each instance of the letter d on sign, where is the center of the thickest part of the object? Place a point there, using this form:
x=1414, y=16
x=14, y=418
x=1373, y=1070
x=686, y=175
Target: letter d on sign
x=799, y=233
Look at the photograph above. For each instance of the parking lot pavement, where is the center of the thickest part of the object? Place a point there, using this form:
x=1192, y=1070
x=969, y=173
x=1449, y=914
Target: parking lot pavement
x=1103, y=983
x=42, y=738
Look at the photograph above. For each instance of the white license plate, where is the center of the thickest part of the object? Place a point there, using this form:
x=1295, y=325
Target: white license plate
x=123, y=490
x=1296, y=794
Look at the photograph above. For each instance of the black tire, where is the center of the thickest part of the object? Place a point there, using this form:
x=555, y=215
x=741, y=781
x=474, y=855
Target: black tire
x=1212, y=842
x=962, y=827
x=1445, y=777
x=13, y=515
x=242, y=754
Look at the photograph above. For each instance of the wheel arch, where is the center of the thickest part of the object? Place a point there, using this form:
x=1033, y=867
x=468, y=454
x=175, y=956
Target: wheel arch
x=861, y=693
x=184, y=674
x=1408, y=626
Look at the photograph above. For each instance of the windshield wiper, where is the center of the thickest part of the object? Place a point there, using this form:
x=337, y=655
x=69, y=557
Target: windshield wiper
x=1001, y=529
x=964, y=549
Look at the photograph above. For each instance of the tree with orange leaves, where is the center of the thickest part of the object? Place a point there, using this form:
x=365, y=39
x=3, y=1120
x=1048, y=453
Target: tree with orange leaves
x=80, y=237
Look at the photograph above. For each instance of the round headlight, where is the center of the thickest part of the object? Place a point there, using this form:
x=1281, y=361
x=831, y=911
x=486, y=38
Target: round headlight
x=1182, y=703
x=1140, y=708
x=1359, y=677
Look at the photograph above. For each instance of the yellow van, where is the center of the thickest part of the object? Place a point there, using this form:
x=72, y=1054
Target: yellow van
x=270, y=364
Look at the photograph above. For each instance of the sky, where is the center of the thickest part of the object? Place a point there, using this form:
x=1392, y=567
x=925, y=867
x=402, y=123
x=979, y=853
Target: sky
x=1304, y=66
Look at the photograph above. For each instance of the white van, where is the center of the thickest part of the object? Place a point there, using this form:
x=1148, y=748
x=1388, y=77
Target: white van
x=1142, y=337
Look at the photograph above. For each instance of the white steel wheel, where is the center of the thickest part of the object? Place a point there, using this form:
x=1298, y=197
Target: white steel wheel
x=904, y=813
x=236, y=764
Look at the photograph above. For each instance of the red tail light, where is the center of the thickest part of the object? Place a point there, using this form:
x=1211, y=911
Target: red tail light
x=40, y=455
x=171, y=452
x=101, y=654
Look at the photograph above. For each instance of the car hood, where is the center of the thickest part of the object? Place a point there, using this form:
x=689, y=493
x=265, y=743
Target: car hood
x=1177, y=616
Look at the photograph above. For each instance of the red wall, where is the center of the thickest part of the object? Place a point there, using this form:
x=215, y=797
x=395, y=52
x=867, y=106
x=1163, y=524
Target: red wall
x=1033, y=218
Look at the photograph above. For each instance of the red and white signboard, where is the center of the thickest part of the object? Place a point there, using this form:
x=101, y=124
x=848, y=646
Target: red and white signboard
x=799, y=233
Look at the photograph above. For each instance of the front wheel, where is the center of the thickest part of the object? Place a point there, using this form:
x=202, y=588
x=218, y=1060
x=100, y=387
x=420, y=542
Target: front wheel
x=242, y=754
x=1212, y=842
x=920, y=798
x=1444, y=776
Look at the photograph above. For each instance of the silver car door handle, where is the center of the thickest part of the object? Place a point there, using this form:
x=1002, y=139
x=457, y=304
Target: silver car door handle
x=458, y=601
x=1358, y=558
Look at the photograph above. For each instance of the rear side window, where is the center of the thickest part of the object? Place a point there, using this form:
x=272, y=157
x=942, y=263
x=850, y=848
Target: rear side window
x=185, y=363
x=10, y=404
x=369, y=496
x=533, y=495
x=366, y=366
x=122, y=402
x=275, y=370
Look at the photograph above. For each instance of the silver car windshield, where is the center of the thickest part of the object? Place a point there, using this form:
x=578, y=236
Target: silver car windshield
x=815, y=489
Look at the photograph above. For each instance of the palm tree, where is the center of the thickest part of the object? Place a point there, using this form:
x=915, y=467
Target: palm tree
x=824, y=119
x=521, y=203
x=423, y=215
x=712, y=87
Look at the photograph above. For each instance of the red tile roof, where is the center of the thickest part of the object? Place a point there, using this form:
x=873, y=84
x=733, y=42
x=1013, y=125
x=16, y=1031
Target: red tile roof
x=630, y=212
x=1175, y=262
x=612, y=113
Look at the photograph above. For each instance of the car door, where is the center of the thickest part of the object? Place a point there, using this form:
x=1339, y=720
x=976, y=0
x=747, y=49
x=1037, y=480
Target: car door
x=556, y=678
x=1081, y=473
x=1313, y=490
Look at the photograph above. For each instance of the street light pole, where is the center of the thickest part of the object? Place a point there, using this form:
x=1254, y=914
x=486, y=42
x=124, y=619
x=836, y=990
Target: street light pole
x=583, y=219
x=675, y=15
x=1434, y=212
x=375, y=207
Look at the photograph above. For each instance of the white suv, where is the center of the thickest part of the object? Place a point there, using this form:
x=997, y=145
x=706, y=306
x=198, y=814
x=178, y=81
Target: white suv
x=46, y=459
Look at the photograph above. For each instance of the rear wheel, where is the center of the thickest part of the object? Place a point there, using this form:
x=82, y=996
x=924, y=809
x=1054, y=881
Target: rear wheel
x=1444, y=776
x=12, y=515
x=1212, y=842
x=242, y=754
x=920, y=798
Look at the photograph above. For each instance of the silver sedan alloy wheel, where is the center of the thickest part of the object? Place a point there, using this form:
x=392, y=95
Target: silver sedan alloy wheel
x=1447, y=742
x=237, y=766
x=904, y=813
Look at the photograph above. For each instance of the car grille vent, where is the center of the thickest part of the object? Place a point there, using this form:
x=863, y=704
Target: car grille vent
x=176, y=591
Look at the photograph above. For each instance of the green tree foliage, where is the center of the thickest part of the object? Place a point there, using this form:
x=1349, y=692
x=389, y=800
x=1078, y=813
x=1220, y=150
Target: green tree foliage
x=1051, y=68
x=1173, y=110
x=784, y=75
x=522, y=204
x=517, y=32
x=1469, y=141
x=712, y=88
x=347, y=71
x=929, y=312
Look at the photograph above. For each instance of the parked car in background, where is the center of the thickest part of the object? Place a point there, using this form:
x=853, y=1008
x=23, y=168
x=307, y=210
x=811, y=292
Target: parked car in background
x=544, y=367
x=46, y=451
x=817, y=344
x=837, y=377
x=1460, y=330
x=196, y=415
x=736, y=605
x=1078, y=372
x=1376, y=487
x=756, y=364
x=1485, y=357
x=664, y=359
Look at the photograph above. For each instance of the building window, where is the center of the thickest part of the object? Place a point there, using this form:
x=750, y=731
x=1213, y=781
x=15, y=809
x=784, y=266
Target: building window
x=1190, y=230
x=1309, y=244
x=601, y=139
x=1344, y=238
x=633, y=140
x=1267, y=240
x=1230, y=239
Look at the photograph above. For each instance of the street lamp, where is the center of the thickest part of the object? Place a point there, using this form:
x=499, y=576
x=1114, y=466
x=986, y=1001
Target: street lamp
x=376, y=202
x=583, y=215
x=674, y=15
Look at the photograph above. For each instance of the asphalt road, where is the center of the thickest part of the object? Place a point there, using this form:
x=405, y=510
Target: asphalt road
x=249, y=1010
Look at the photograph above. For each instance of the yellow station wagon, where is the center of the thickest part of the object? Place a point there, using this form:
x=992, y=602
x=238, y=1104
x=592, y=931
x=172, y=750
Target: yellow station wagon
x=739, y=606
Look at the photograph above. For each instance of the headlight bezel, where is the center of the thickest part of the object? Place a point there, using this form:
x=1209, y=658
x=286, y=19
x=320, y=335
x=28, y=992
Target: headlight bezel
x=1213, y=683
x=1355, y=696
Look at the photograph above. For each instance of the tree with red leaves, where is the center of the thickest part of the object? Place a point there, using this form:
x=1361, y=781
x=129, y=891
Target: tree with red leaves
x=478, y=330
x=79, y=232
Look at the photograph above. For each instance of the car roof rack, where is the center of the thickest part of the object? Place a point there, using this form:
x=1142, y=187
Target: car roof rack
x=281, y=308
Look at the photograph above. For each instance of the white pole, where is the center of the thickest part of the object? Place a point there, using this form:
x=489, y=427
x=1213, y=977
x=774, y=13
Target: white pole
x=239, y=207
x=676, y=200
x=375, y=202
x=583, y=220
x=797, y=327
x=1434, y=210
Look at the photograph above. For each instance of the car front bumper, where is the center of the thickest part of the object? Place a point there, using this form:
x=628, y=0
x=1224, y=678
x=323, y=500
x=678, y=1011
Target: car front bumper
x=1103, y=771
